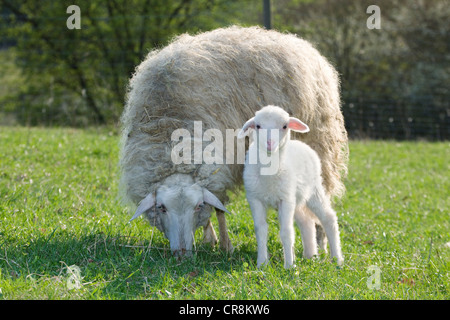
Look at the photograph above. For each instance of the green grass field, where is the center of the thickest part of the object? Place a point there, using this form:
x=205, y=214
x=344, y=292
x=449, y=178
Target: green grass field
x=64, y=234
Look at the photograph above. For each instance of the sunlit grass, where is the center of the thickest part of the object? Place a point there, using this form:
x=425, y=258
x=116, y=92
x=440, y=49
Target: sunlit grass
x=59, y=208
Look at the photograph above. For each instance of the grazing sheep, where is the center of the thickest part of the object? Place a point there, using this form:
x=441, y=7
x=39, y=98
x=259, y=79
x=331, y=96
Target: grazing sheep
x=290, y=181
x=220, y=78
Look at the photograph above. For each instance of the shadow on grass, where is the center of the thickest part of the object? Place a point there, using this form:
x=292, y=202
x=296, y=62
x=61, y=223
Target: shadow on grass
x=113, y=266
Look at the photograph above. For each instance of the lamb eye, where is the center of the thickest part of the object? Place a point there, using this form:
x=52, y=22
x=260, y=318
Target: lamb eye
x=258, y=126
x=285, y=127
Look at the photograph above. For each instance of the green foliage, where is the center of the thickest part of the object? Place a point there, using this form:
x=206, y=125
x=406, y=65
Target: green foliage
x=394, y=80
x=59, y=213
x=79, y=76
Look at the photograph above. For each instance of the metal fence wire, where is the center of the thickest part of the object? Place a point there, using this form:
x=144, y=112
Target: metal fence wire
x=389, y=112
x=424, y=117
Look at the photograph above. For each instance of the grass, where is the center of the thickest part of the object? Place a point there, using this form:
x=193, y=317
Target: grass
x=64, y=234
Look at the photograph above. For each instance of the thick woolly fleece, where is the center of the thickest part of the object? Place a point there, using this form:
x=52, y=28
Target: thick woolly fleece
x=222, y=78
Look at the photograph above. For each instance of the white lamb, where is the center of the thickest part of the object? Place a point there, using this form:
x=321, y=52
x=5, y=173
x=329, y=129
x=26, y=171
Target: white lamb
x=289, y=179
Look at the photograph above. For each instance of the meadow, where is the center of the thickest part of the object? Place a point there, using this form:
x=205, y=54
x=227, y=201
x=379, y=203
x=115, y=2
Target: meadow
x=65, y=235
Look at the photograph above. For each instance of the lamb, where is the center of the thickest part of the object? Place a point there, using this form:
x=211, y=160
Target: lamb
x=293, y=182
x=219, y=78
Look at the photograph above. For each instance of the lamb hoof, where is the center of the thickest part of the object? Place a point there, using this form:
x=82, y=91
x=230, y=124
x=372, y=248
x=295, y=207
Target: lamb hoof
x=340, y=261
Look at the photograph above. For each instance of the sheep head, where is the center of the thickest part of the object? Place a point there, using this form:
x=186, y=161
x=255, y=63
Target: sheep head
x=271, y=126
x=177, y=208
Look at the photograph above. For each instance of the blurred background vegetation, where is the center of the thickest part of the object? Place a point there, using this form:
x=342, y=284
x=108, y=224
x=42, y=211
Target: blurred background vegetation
x=394, y=80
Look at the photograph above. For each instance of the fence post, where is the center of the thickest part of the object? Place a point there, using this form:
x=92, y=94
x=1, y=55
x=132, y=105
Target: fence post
x=267, y=16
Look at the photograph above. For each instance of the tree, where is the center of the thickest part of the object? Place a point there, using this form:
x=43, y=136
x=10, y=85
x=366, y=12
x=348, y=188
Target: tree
x=394, y=80
x=88, y=68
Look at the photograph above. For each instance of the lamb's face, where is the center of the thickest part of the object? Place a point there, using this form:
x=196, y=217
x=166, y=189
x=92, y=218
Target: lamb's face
x=271, y=127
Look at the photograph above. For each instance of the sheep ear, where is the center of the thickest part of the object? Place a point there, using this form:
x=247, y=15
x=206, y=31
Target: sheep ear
x=211, y=199
x=244, y=131
x=296, y=125
x=146, y=203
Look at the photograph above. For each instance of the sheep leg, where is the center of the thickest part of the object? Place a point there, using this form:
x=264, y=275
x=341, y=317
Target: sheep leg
x=320, y=205
x=287, y=233
x=321, y=237
x=307, y=230
x=259, y=213
x=225, y=242
x=209, y=235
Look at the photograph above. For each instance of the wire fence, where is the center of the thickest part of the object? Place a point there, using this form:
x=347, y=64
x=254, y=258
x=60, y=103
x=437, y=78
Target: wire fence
x=422, y=115
x=399, y=120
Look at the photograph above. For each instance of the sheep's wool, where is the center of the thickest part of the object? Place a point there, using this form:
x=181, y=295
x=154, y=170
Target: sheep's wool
x=222, y=78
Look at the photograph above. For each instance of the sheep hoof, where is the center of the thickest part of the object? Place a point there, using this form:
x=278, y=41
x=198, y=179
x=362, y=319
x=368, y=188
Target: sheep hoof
x=208, y=239
x=209, y=235
x=226, y=246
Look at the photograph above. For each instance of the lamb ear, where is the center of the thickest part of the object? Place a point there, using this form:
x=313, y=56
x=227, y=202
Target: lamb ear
x=244, y=131
x=211, y=199
x=146, y=203
x=296, y=125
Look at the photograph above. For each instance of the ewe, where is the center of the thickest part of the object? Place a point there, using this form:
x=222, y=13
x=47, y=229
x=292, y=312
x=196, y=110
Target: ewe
x=289, y=179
